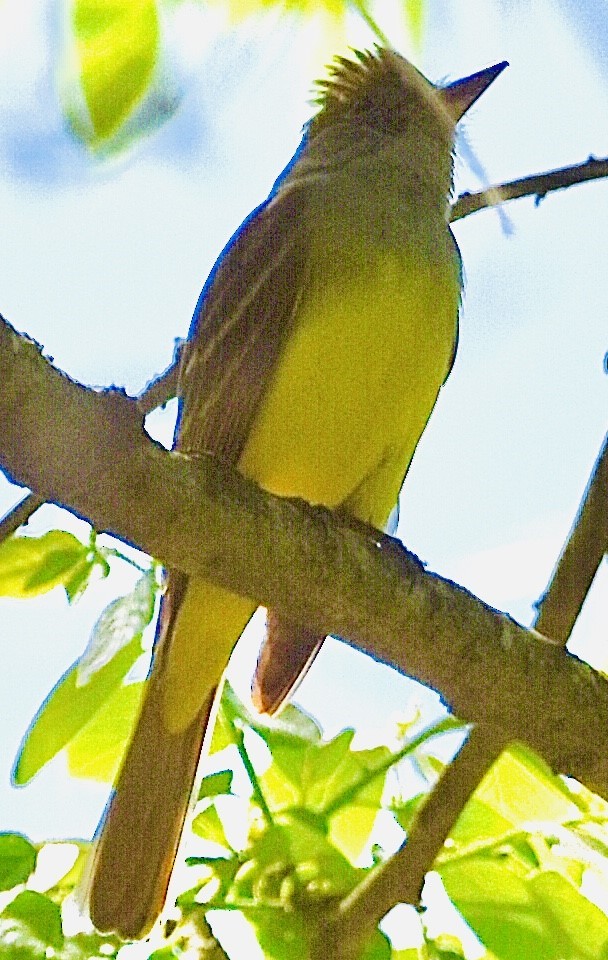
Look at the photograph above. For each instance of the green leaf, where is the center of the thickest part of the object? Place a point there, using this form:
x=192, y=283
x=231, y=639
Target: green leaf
x=115, y=54
x=291, y=725
x=291, y=722
x=213, y=887
x=30, y=566
x=341, y=786
x=335, y=776
x=417, y=953
x=443, y=947
x=121, y=621
x=521, y=787
x=350, y=828
x=575, y=919
x=282, y=935
x=79, y=577
x=319, y=775
x=293, y=847
x=97, y=749
x=479, y=822
x=500, y=908
x=520, y=914
x=17, y=859
x=277, y=781
x=302, y=771
x=215, y=784
x=67, y=709
x=209, y=826
x=378, y=947
x=406, y=812
x=33, y=920
x=414, y=12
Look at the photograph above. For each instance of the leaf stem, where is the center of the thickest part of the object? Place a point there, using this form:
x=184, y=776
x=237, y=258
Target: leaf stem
x=258, y=796
x=445, y=725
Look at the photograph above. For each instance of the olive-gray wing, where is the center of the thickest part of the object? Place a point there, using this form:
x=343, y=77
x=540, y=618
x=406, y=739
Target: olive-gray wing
x=244, y=316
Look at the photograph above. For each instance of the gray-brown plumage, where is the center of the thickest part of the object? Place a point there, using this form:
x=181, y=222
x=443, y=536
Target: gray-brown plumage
x=317, y=349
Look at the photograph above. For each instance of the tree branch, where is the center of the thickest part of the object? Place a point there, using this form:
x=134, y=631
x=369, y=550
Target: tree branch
x=400, y=879
x=538, y=185
x=164, y=387
x=582, y=554
x=338, y=576
x=19, y=514
x=155, y=394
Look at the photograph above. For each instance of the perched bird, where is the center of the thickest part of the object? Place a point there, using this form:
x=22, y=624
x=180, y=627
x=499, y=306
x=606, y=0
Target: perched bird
x=317, y=350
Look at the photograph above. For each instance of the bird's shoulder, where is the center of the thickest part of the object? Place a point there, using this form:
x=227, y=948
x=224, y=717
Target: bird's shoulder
x=242, y=318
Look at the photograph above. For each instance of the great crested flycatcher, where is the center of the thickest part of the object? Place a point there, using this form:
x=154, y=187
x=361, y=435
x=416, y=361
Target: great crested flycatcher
x=317, y=349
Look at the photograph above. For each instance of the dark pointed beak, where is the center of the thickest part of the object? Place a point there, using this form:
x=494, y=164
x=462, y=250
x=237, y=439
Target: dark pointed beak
x=457, y=97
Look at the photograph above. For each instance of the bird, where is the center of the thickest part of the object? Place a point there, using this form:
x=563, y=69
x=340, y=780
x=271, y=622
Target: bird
x=317, y=350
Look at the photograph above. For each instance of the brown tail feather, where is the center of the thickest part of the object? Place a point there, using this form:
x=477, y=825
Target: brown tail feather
x=140, y=831
x=285, y=658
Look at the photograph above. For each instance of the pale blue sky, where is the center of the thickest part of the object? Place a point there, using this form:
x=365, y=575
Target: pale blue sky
x=103, y=265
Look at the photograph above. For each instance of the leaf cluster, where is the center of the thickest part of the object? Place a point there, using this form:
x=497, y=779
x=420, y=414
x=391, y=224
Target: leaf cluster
x=289, y=825
x=91, y=698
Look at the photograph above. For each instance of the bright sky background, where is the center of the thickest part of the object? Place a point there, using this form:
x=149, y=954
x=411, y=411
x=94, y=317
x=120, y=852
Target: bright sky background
x=103, y=265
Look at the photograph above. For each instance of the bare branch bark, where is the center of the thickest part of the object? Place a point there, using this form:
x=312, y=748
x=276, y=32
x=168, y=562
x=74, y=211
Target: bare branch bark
x=19, y=514
x=582, y=554
x=89, y=453
x=164, y=387
x=156, y=393
x=400, y=879
x=538, y=185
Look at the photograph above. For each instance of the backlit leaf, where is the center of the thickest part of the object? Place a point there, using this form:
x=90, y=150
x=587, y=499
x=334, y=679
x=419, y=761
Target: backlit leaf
x=96, y=750
x=67, y=709
x=17, y=859
x=122, y=620
x=114, y=53
x=33, y=919
x=30, y=566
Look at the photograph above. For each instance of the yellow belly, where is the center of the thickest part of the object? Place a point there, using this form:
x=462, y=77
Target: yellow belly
x=356, y=384
x=338, y=425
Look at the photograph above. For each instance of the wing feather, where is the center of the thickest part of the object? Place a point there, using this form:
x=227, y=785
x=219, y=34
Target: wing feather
x=243, y=318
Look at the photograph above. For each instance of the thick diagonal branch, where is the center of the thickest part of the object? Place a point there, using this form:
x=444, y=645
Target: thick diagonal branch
x=538, y=185
x=400, y=879
x=582, y=554
x=89, y=453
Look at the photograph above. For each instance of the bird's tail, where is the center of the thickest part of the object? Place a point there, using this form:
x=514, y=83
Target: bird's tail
x=139, y=833
x=286, y=655
x=142, y=824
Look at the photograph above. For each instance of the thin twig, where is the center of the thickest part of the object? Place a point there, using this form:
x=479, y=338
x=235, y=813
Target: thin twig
x=400, y=879
x=582, y=554
x=19, y=514
x=155, y=394
x=344, y=578
x=367, y=18
x=537, y=185
x=258, y=794
x=164, y=387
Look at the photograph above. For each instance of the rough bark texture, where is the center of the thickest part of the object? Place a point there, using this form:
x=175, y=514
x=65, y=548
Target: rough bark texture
x=87, y=451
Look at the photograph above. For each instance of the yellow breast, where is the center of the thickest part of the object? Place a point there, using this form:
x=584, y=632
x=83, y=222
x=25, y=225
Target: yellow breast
x=357, y=380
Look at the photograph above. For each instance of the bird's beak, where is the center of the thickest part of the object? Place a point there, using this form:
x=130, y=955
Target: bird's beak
x=457, y=97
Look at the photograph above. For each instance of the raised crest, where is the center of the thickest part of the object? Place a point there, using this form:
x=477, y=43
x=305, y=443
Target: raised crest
x=371, y=87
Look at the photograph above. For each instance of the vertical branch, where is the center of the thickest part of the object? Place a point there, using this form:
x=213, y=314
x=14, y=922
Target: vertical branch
x=400, y=879
x=19, y=514
x=587, y=543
